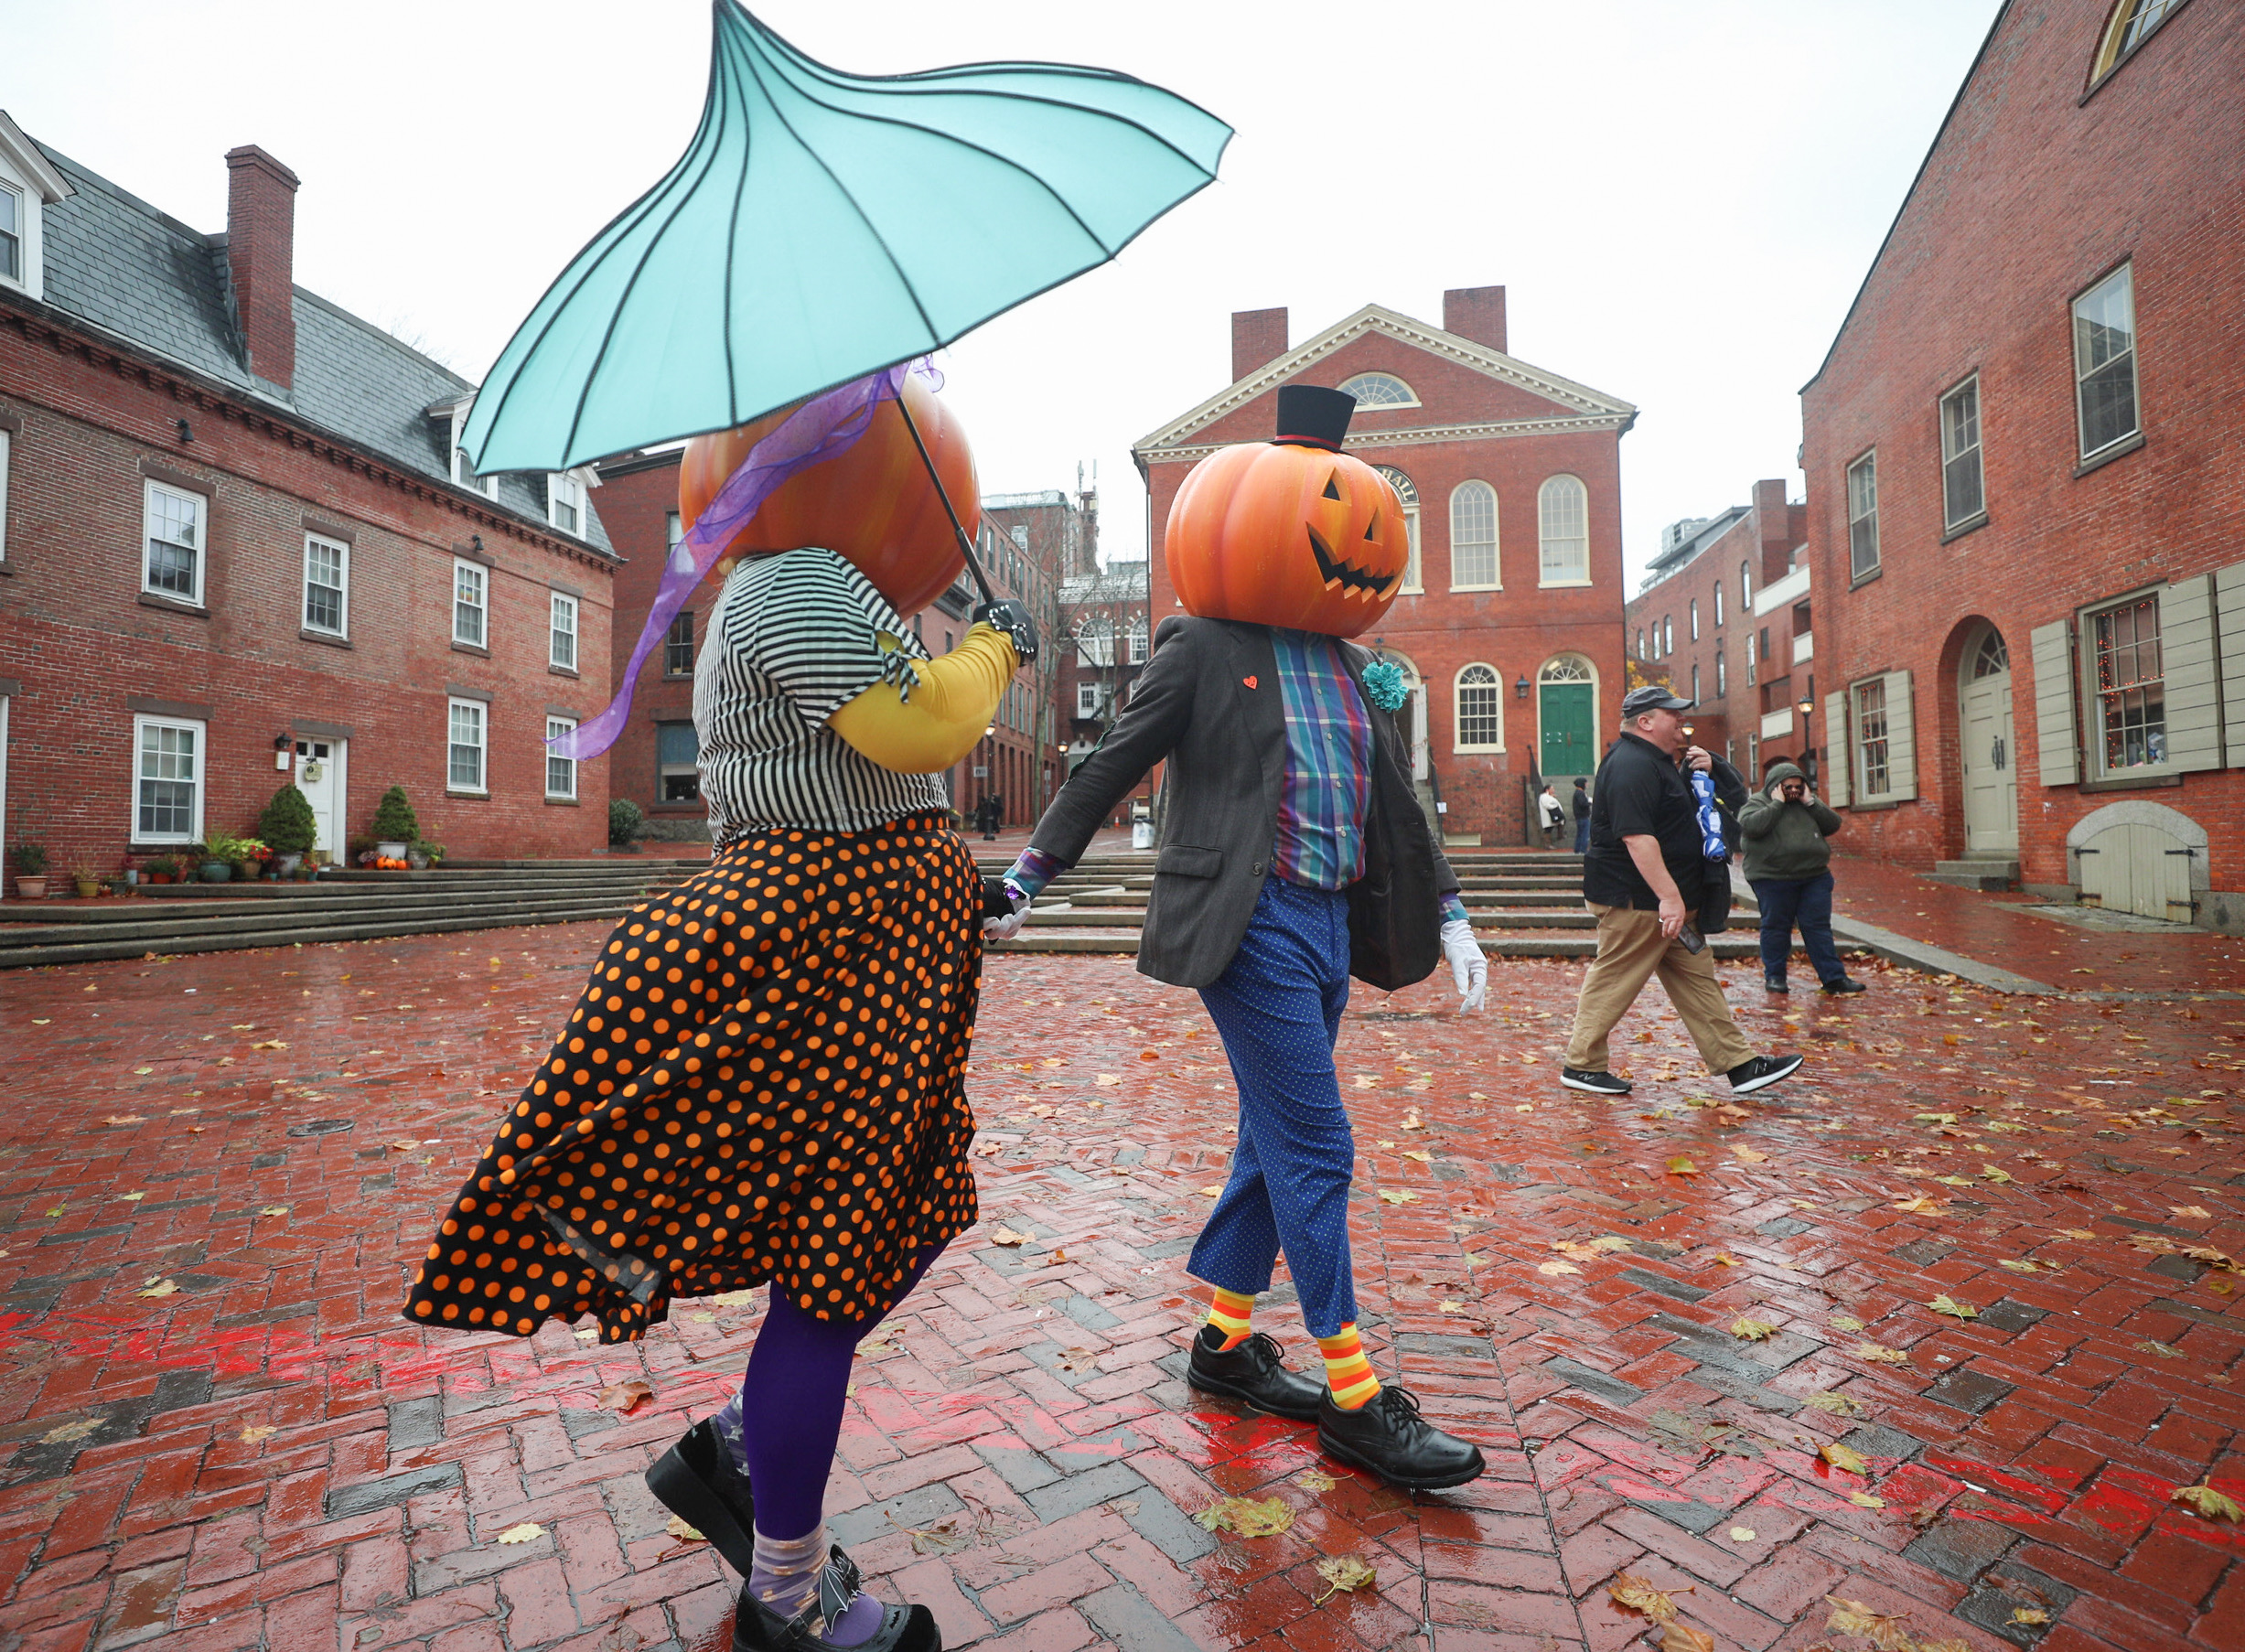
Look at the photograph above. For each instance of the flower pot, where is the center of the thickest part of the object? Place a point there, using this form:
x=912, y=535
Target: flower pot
x=287, y=864
x=87, y=887
x=216, y=872
x=132, y=878
x=390, y=849
x=31, y=888
x=159, y=877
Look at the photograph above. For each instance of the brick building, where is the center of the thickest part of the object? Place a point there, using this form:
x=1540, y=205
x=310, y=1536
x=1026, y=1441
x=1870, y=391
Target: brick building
x=236, y=546
x=654, y=762
x=2026, y=475
x=1508, y=625
x=1723, y=619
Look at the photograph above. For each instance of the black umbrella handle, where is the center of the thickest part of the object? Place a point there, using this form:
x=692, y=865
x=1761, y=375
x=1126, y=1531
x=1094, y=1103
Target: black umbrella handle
x=966, y=545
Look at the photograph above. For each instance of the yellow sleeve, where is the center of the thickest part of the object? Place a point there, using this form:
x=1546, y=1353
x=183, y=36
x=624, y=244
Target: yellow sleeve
x=951, y=701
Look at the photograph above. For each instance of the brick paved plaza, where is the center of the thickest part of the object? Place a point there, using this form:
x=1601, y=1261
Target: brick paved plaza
x=216, y=1434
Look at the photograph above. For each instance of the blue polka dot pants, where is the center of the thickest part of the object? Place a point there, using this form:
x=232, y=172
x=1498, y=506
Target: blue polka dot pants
x=1278, y=1008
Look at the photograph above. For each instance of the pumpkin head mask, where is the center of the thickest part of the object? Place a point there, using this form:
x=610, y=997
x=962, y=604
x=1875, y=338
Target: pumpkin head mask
x=1290, y=533
x=873, y=503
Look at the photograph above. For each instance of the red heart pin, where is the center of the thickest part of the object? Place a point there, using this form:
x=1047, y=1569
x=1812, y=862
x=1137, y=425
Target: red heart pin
x=1248, y=680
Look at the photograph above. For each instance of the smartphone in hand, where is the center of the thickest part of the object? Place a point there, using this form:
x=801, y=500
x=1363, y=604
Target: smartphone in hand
x=1693, y=941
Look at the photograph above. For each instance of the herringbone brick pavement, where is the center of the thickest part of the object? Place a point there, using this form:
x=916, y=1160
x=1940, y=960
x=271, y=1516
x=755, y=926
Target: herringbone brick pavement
x=215, y=1435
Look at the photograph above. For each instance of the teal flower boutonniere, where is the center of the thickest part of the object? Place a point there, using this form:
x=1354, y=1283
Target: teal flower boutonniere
x=1384, y=684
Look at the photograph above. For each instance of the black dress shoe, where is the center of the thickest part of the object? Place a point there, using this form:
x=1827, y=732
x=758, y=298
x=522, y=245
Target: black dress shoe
x=1387, y=1435
x=697, y=1481
x=758, y=1628
x=1256, y=1373
x=1775, y=983
x=1845, y=984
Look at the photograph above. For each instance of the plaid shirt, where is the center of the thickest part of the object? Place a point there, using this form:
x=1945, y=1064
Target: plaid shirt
x=1328, y=781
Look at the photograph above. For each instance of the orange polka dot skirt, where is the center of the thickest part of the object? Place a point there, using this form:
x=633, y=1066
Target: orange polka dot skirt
x=765, y=1079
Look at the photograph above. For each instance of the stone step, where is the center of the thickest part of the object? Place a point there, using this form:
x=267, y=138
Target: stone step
x=1541, y=944
x=177, y=905
x=1987, y=874
x=151, y=926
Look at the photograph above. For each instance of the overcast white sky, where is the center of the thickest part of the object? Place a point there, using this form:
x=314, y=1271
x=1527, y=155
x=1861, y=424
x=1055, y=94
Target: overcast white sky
x=1682, y=196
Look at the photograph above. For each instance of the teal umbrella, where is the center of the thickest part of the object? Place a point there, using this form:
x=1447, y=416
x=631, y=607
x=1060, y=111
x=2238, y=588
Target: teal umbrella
x=822, y=226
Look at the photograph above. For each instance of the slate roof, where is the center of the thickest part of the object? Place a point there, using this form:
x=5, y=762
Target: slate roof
x=141, y=275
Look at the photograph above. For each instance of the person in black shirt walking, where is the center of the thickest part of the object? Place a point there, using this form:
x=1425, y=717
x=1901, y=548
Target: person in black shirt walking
x=1643, y=877
x=1580, y=806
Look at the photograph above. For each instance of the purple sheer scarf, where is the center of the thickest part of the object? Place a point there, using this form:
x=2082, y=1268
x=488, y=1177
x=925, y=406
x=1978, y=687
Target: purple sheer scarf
x=825, y=426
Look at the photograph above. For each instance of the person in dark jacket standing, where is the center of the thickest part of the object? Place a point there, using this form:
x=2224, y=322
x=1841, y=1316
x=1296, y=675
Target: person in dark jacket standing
x=1644, y=877
x=1787, y=830
x=1581, y=807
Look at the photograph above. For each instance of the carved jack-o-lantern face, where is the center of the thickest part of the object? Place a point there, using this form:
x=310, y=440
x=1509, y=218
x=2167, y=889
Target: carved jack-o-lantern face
x=1288, y=534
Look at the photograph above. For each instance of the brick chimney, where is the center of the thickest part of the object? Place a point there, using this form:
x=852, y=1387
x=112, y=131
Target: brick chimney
x=1773, y=526
x=260, y=234
x=1476, y=312
x=1257, y=338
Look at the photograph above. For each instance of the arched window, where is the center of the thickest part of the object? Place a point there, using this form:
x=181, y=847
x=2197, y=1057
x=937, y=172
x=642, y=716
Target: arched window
x=1722, y=680
x=1718, y=602
x=1408, y=491
x=1378, y=390
x=2133, y=23
x=1473, y=537
x=1480, y=709
x=1695, y=619
x=1640, y=642
x=1562, y=512
x=1668, y=636
x=1695, y=683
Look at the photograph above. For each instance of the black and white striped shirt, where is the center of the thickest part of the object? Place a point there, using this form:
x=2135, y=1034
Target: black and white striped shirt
x=794, y=638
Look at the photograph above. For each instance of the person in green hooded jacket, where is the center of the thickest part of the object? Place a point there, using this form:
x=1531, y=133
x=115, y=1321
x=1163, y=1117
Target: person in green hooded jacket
x=1788, y=828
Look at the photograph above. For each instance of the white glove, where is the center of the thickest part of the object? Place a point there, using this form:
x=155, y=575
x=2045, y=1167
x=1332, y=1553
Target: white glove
x=1468, y=964
x=1006, y=928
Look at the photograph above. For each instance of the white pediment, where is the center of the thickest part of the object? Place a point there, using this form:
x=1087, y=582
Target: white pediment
x=1576, y=405
x=23, y=157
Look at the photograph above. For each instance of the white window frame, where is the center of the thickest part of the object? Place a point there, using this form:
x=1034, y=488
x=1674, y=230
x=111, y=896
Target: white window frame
x=1860, y=743
x=480, y=722
x=6, y=454
x=554, y=728
x=1722, y=677
x=1718, y=602
x=342, y=549
x=566, y=488
x=670, y=642
x=1394, y=378
x=1746, y=587
x=150, y=490
x=1407, y=490
x=562, y=603
x=22, y=198
x=1546, y=539
x=2125, y=273
x=1458, y=685
x=479, y=578
x=1955, y=452
x=1862, y=504
x=1135, y=650
x=1695, y=619
x=1088, y=696
x=199, y=781
x=2093, y=699
x=1094, y=644
x=1667, y=635
x=1474, y=490
x=462, y=476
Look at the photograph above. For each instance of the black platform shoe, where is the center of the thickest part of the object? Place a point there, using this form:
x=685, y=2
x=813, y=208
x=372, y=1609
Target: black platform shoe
x=1256, y=1373
x=758, y=1628
x=1387, y=1435
x=696, y=1480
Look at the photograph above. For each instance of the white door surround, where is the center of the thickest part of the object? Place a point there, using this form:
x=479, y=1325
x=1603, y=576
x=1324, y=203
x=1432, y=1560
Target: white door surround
x=321, y=775
x=1987, y=744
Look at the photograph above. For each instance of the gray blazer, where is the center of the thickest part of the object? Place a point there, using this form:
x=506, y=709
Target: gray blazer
x=1208, y=702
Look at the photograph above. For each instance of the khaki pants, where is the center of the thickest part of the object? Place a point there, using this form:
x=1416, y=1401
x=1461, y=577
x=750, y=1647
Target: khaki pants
x=1630, y=951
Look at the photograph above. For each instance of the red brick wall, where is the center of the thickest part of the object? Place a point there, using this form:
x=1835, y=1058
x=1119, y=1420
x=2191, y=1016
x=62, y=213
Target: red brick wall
x=76, y=635
x=1516, y=629
x=636, y=500
x=2032, y=194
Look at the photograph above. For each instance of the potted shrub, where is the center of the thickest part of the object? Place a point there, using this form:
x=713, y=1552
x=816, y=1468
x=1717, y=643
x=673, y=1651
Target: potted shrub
x=83, y=879
x=220, y=854
x=288, y=828
x=30, y=862
x=624, y=818
x=395, y=826
x=163, y=869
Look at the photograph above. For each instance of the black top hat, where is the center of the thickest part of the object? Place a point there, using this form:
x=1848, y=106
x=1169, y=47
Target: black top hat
x=1310, y=415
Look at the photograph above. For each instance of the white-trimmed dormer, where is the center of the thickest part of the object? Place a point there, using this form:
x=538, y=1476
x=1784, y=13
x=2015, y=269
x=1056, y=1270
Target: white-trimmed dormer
x=451, y=420
x=28, y=184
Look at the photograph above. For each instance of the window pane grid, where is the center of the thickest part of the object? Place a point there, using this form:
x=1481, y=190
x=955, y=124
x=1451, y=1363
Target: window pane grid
x=561, y=773
x=2105, y=361
x=168, y=778
x=562, y=648
x=678, y=751
x=11, y=234
x=1871, y=737
x=1480, y=707
x=175, y=536
x=468, y=589
x=2131, y=687
x=1563, y=508
x=323, y=585
x=464, y=772
x=1960, y=474
x=678, y=646
x=1473, y=535
x=1863, y=516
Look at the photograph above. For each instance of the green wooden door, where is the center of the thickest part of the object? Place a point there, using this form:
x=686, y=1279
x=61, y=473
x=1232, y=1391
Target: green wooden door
x=1569, y=714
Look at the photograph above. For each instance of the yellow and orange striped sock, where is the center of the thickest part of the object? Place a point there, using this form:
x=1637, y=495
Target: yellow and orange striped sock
x=1228, y=1315
x=1347, y=1373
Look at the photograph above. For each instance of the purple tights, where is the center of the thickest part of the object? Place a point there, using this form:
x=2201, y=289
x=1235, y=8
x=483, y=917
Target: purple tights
x=787, y=1419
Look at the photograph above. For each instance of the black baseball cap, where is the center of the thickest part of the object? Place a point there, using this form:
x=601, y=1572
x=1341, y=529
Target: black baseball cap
x=1652, y=697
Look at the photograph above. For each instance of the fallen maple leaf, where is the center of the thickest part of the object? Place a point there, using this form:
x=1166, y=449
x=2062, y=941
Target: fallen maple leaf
x=1846, y=1322
x=1344, y=1572
x=274, y=1211
x=1210, y=1192
x=1863, y=1499
x=1633, y=1591
x=677, y=1526
x=1315, y=1479
x=1946, y=1303
x=2208, y=1502
x=1424, y=1157
x=624, y=1397
x=1922, y=1205
x=1843, y=1456
x=1110, y=1079
x=529, y=1531
x=270, y=1044
x=2017, y=1265
x=1838, y=1404
x=124, y=1119
x=1557, y=1267
x=1741, y=1534
x=1396, y=1195
x=2029, y=1614
x=1882, y=1629
x=86, y=1425
x=1746, y=1155
x=1248, y=1517
x=159, y=1287
x=2197, y=1210
x=1752, y=1330
x=1681, y=1165
x=1006, y=1235
x=1724, y=1258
